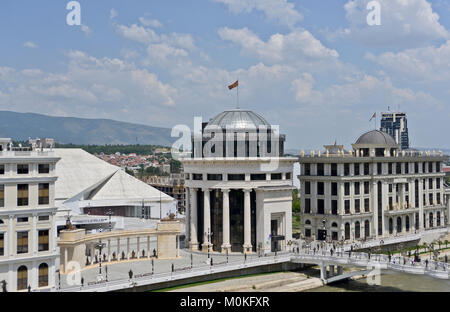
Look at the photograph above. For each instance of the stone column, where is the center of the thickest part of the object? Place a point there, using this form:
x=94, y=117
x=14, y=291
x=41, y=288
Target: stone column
x=226, y=221
x=109, y=250
x=92, y=253
x=247, y=221
x=148, y=247
x=193, y=244
x=206, y=220
x=420, y=204
x=374, y=190
x=128, y=248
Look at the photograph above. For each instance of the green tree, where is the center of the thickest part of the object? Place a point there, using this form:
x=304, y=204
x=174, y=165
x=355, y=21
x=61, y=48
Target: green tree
x=295, y=201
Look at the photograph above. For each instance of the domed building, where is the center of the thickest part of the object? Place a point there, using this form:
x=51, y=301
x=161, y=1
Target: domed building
x=238, y=186
x=374, y=191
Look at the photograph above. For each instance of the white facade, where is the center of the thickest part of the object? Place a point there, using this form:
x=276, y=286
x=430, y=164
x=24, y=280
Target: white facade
x=27, y=218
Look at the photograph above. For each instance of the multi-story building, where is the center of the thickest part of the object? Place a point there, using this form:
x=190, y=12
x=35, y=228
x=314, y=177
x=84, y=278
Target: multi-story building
x=27, y=217
x=238, y=186
x=374, y=191
x=173, y=186
x=396, y=124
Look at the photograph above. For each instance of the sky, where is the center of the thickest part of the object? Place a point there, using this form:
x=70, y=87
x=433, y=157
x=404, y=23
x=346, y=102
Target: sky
x=315, y=68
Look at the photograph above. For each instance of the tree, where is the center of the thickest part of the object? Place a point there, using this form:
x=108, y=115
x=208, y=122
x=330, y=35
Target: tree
x=295, y=201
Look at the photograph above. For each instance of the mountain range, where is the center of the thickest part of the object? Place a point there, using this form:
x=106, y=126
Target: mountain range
x=22, y=126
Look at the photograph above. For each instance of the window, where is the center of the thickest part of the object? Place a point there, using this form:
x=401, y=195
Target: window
x=416, y=167
x=366, y=187
x=214, y=177
x=334, y=170
x=357, y=206
x=307, y=232
x=258, y=177
x=276, y=176
x=406, y=168
x=320, y=188
x=288, y=175
x=367, y=205
x=43, y=193
x=357, y=188
x=390, y=168
x=347, y=206
x=334, y=190
x=22, y=169
x=391, y=206
x=2, y=169
x=424, y=168
x=22, y=278
x=308, y=187
x=390, y=188
x=346, y=169
x=430, y=184
x=438, y=183
x=22, y=219
x=307, y=169
x=346, y=188
x=320, y=206
x=197, y=176
x=406, y=187
x=236, y=177
x=430, y=199
x=347, y=231
x=43, y=240
x=307, y=205
x=366, y=168
x=22, y=194
x=22, y=242
x=357, y=230
x=398, y=169
x=334, y=207
x=438, y=198
x=430, y=167
x=407, y=201
x=380, y=168
x=2, y=195
x=44, y=168
x=44, y=218
x=438, y=167
x=320, y=170
x=2, y=244
x=356, y=169
x=43, y=275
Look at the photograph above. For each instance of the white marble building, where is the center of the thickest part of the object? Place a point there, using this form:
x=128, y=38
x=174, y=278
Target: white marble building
x=376, y=190
x=238, y=190
x=27, y=218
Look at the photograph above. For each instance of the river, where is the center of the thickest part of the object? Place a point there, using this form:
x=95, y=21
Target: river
x=392, y=282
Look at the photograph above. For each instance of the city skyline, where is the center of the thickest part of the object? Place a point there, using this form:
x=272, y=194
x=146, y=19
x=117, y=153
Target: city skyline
x=301, y=64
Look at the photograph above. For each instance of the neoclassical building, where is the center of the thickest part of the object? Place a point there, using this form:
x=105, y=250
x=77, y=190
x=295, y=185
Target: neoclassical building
x=238, y=186
x=376, y=190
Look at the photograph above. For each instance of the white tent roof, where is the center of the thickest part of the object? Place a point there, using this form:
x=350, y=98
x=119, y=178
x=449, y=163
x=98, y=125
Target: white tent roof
x=81, y=172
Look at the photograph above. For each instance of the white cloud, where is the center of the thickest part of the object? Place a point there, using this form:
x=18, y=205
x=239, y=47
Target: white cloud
x=150, y=22
x=30, y=45
x=138, y=33
x=297, y=45
x=113, y=13
x=404, y=23
x=281, y=11
x=86, y=29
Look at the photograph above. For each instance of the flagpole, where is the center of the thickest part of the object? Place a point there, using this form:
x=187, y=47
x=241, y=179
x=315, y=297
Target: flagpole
x=237, y=91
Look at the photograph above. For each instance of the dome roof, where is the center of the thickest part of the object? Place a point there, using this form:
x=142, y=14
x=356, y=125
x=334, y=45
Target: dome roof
x=238, y=119
x=376, y=137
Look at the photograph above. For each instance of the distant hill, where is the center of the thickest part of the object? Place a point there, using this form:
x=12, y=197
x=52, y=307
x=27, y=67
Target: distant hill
x=21, y=126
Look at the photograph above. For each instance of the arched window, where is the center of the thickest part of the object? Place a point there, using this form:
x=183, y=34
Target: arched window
x=431, y=220
x=357, y=230
x=22, y=278
x=308, y=222
x=407, y=223
x=391, y=226
x=366, y=228
x=334, y=224
x=2, y=222
x=438, y=218
x=347, y=230
x=43, y=275
x=399, y=225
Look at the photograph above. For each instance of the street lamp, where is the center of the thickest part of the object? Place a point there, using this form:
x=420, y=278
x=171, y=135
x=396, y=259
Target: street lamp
x=100, y=246
x=109, y=214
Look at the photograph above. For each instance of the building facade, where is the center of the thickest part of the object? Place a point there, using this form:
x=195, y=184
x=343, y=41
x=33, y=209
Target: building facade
x=27, y=218
x=375, y=191
x=396, y=124
x=238, y=186
x=172, y=185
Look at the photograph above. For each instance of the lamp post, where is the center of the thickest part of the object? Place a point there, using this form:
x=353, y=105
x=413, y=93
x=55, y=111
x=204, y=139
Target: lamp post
x=153, y=267
x=109, y=214
x=100, y=246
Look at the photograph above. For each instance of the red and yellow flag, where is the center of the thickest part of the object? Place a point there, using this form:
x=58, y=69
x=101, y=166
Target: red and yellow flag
x=234, y=85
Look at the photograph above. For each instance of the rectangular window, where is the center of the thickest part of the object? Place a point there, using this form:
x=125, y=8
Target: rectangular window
x=320, y=170
x=320, y=206
x=416, y=167
x=347, y=207
x=430, y=184
x=308, y=187
x=43, y=240
x=390, y=188
x=356, y=169
x=357, y=188
x=366, y=168
x=276, y=176
x=236, y=177
x=366, y=187
x=346, y=169
x=22, y=219
x=438, y=167
x=44, y=218
x=2, y=244
x=197, y=176
x=288, y=175
x=438, y=183
x=379, y=168
x=334, y=188
x=2, y=169
x=438, y=198
x=430, y=199
x=214, y=177
x=320, y=188
x=430, y=167
x=22, y=194
x=398, y=168
x=307, y=232
x=391, y=206
x=334, y=207
x=406, y=187
x=307, y=205
x=390, y=168
x=2, y=195
x=406, y=168
x=357, y=206
x=258, y=177
x=44, y=168
x=44, y=193
x=367, y=205
x=307, y=169
x=22, y=242
x=346, y=188
x=334, y=170
x=22, y=169
x=407, y=201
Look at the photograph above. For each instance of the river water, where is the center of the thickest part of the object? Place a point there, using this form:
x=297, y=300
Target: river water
x=392, y=282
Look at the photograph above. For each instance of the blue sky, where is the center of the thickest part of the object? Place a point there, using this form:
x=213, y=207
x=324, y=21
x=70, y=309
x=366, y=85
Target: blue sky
x=313, y=67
